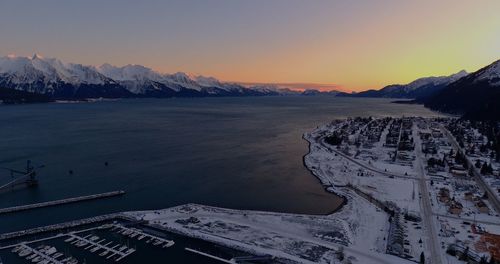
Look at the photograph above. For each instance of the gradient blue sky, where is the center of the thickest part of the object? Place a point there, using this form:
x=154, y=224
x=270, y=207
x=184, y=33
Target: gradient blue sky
x=355, y=44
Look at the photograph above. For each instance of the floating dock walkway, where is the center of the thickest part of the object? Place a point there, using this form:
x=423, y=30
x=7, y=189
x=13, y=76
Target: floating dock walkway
x=42, y=256
x=59, y=202
x=139, y=235
x=93, y=245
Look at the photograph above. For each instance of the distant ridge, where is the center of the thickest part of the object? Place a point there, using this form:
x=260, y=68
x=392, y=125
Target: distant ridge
x=475, y=96
x=419, y=88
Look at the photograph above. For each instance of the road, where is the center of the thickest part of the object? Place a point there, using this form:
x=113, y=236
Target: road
x=427, y=215
x=467, y=219
x=492, y=198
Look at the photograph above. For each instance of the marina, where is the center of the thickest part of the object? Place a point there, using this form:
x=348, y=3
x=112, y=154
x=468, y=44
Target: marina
x=140, y=235
x=43, y=255
x=93, y=244
x=102, y=239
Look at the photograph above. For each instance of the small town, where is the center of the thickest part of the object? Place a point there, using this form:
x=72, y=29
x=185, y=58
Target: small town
x=438, y=179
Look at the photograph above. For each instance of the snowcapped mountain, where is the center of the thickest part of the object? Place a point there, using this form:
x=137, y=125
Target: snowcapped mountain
x=434, y=81
x=490, y=74
x=55, y=78
x=419, y=88
x=476, y=95
x=52, y=77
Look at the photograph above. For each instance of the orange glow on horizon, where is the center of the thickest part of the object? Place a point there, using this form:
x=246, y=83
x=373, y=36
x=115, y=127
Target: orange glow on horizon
x=325, y=45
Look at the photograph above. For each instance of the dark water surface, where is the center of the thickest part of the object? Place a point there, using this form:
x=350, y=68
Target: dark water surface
x=230, y=152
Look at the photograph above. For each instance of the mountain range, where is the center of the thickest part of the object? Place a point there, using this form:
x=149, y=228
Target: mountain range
x=475, y=96
x=38, y=79
x=58, y=80
x=419, y=88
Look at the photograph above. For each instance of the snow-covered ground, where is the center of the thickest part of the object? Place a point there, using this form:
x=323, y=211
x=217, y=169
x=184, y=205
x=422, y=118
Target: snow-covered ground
x=291, y=238
x=383, y=197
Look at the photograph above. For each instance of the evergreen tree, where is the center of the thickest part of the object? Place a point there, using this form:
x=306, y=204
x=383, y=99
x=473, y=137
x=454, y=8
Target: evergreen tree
x=484, y=169
x=422, y=258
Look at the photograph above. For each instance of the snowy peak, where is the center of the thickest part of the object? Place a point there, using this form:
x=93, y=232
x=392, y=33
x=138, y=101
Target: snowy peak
x=476, y=95
x=128, y=72
x=60, y=79
x=36, y=56
x=420, y=88
x=490, y=73
x=48, y=70
x=435, y=81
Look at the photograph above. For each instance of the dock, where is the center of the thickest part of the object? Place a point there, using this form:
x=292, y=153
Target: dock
x=42, y=255
x=65, y=225
x=139, y=235
x=93, y=245
x=60, y=202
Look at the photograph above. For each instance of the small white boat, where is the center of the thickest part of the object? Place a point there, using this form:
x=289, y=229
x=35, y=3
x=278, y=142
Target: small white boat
x=169, y=244
x=65, y=259
x=16, y=249
x=50, y=251
x=94, y=249
x=69, y=239
x=24, y=252
x=141, y=237
x=105, y=226
x=58, y=254
x=157, y=242
x=72, y=261
x=36, y=259
x=31, y=256
x=81, y=243
x=104, y=253
x=122, y=248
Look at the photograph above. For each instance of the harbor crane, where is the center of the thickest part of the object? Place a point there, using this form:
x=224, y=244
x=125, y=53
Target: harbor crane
x=27, y=177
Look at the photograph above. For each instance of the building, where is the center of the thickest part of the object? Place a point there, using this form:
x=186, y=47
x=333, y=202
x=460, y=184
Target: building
x=468, y=196
x=455, y=208
x=444, y=195
x=482, y=207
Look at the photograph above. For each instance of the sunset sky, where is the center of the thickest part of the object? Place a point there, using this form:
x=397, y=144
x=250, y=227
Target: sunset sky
x=352, y=45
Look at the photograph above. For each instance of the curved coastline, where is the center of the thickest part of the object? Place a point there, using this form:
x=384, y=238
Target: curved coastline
x=327, y=186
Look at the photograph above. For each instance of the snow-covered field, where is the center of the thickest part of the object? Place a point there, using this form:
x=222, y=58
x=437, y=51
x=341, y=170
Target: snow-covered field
x=290, y=237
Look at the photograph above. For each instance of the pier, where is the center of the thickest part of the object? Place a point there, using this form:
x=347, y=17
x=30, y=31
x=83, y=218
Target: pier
x=60, y=202
x=42, y=255
x=210, y=256
x=65, y=225
x=139, y=235
x=95, y=246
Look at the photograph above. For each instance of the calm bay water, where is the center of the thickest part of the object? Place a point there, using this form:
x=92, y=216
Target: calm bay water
x=230, y=152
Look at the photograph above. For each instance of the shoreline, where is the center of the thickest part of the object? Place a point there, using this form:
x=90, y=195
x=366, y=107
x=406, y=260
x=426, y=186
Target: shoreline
x=326, y=187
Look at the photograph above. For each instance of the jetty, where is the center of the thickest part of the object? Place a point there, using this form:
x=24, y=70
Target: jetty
x=60, y=202
x=230, y=261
